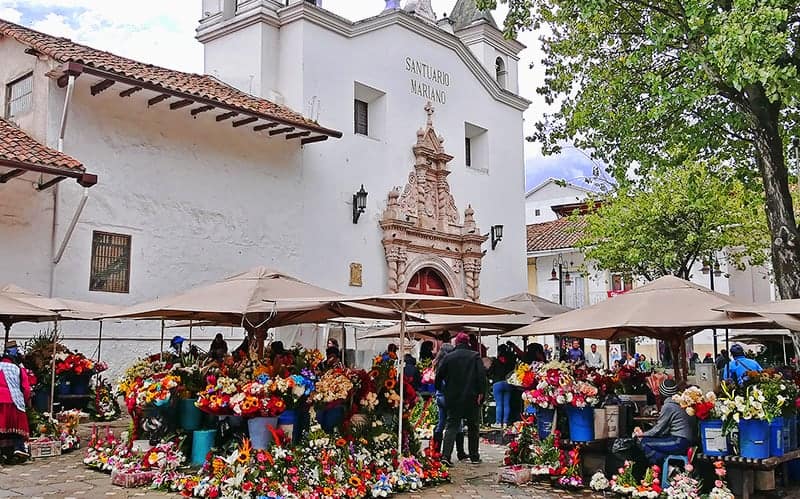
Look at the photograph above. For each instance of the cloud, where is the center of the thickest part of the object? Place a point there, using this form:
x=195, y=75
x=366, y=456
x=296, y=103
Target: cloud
x=10, y=14
x=570, y=165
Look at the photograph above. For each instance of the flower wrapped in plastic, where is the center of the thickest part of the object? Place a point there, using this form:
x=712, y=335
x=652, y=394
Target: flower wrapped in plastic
x=696, y=403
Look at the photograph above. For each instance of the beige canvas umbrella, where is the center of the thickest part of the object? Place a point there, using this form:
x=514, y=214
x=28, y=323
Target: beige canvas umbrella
x=528, y=307
x=669, y=309
x=13, y=311
x=409, y=303
x=255, y=300
x=784, y=312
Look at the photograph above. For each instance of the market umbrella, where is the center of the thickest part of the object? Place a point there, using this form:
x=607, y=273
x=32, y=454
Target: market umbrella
x=528, y=307
x=409, y=303
x=255, y=299
x=669, y=309
x=13, y=311
x=784, y=312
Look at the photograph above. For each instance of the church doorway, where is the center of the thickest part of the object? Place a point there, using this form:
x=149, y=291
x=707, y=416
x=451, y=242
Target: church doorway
x=428, y=281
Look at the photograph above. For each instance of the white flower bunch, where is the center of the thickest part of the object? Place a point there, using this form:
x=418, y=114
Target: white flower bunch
x=599, y=482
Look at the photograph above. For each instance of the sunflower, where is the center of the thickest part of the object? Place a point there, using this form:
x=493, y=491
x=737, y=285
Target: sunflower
x=244, y=452
x=355, y=481
x=389, y=384
x=327, y=491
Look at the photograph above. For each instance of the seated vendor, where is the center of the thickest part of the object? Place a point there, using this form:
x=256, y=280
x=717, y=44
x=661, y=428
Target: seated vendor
x=673, y=432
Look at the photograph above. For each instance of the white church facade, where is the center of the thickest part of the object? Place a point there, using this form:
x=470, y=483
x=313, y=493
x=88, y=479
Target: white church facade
x=259, y=160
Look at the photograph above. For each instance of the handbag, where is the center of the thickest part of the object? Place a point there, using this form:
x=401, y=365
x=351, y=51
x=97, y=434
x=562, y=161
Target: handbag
x=621, y=445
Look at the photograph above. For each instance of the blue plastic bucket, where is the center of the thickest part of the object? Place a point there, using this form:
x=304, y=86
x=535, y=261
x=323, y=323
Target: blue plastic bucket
x=79, y=385
x=190, y=416
x=776, y=437
x=259, y=431
x=789, y=433
x=754, y=438
x=287, y=417
x=581, y=423
x=544, y=421
x=63, y=387
x=329, y=419
x=712, y=438
x=202, y=442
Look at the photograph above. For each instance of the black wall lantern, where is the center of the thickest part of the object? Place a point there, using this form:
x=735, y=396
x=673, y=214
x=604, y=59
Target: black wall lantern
x=359, y=203
x=497, y=235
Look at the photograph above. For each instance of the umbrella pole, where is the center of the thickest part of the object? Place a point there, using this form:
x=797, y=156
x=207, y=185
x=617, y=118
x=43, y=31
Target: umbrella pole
x=8, y=331
x=53, y=369
x=99, y=340
x=190, y=332
x=401, y=355
x=162, y=340
x=783, y=347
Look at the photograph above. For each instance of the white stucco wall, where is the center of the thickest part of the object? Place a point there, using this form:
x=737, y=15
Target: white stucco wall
x=548, y=195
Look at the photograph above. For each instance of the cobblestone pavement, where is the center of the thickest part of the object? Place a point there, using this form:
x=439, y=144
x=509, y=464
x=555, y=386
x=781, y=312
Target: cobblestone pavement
x=65, y=477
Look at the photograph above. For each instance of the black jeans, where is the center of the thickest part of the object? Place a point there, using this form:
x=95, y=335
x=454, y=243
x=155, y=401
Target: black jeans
x=470, y=415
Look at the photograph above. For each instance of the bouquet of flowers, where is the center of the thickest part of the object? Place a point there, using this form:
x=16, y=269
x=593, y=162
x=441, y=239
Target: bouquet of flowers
x=695, y=403
x=156, y=391
x=779, y=393
x=547, y=456
x=624, y=483
x=732, y=407
x=572, y=479
x=523, y=376
x=334, y=386
x=521, y=449
x=105, y=407
x=683, y=486
x=599, y=482
x=631, y=381
x=649, y=488
x=74, y=364
x=257, y=399
x=216, y=398
x=548, y=380
x=720, y=490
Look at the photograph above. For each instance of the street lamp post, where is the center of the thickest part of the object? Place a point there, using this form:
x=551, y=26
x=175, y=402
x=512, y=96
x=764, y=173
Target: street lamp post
x=564, y=279
x=712, y=273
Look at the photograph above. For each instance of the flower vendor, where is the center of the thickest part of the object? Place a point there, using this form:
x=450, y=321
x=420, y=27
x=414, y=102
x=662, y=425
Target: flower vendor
x=502, y=366
x=673, y=432
x=15, y=393
x=739, y=365
x=462, y=377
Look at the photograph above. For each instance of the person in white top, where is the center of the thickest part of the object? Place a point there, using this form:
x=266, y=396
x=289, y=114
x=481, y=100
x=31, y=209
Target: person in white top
x=594, y=359
x=630, y=361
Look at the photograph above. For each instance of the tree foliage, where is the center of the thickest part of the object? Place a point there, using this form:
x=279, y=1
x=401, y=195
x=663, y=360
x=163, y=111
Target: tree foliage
x=646, y=85
x=683, y=216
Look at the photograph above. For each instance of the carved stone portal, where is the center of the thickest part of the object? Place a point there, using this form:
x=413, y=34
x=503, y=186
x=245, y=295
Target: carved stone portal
x=422, y=226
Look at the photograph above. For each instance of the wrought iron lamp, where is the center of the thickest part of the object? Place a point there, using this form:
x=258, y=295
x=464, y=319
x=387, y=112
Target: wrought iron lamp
x=359, y=203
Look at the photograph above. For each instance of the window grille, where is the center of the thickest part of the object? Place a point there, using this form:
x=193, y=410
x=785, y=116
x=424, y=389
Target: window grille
x=111, y=262
x=19, y=96
x=361, y=118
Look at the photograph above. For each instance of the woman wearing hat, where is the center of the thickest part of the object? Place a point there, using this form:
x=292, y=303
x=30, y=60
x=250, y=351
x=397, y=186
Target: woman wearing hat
x=672, y=433
x=15, y=392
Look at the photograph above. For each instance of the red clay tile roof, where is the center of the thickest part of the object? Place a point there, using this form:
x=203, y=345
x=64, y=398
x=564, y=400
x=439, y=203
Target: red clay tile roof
x=19, y=147
x=203, y=86
x=556, y=234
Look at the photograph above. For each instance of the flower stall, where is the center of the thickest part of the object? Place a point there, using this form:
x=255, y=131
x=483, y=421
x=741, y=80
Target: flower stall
x=269, y=429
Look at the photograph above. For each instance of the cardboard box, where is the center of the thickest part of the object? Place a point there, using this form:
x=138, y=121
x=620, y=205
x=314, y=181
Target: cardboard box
x=600, y=423
x=516, y=474
x=44, y=449
x=612, y=420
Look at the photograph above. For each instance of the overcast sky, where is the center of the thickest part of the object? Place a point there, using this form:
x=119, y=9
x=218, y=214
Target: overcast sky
x=162, y=32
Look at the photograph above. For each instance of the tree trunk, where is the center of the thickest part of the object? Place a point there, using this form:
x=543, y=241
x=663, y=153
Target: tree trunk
x=771, y=161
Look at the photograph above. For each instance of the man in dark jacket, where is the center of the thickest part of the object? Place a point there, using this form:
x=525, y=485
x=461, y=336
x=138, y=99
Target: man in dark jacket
x=462, y=378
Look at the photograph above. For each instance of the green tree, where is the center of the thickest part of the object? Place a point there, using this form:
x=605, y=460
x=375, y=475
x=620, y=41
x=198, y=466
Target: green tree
x=681, y=217
x=645, y=85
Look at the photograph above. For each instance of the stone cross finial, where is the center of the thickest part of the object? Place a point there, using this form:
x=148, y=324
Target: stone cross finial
x=429, y=110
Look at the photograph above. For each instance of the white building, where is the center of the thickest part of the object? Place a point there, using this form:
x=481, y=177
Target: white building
x=552, y=243
x=198, y=180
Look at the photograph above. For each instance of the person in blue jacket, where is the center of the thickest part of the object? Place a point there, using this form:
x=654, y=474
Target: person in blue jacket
x=739, y=365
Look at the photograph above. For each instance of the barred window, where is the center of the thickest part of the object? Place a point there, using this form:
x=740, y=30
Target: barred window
x=361, y=118
x=111, y=262
x=19, y=96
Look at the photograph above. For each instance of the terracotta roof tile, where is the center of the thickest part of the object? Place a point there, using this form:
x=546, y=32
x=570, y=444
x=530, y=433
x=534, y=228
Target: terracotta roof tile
x=203, y=86
x=19, y=147
x=556, y=234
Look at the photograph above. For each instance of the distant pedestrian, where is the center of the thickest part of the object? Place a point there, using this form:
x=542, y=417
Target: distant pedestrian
x=15, y=394
x=594, y=359
x=708, y=359
x=411, y=371
x=630, y=361
x=462, y=378
x=548, y=354
x=722, y=360
x=644, y=364
x=693, y=361
x=218, y=349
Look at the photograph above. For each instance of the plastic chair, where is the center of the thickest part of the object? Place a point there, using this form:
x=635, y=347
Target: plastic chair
x=665, y=467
